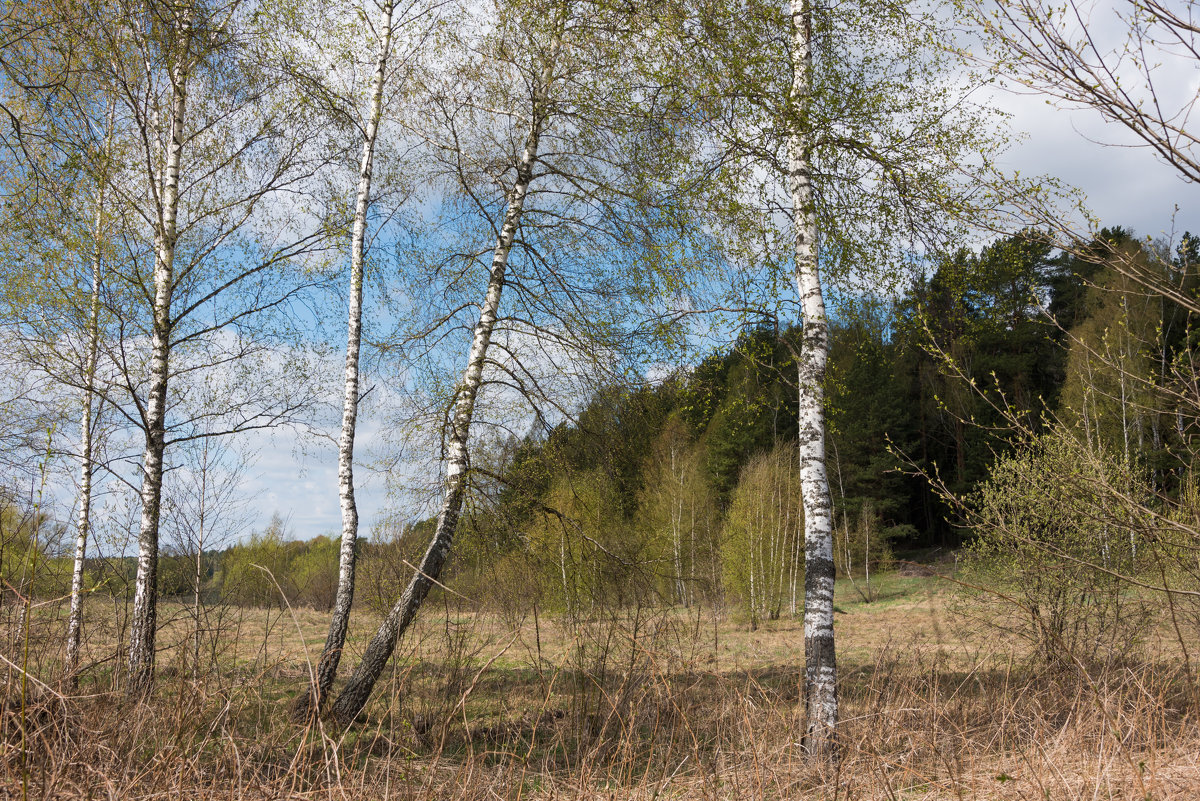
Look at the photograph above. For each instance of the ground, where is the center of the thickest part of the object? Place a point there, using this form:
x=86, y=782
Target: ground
x=653, y=702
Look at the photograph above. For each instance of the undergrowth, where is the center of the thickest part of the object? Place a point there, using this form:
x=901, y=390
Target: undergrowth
x=645, y=703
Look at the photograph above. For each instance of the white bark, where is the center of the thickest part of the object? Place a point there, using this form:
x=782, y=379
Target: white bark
x=144, y=617
x=820, y=677
x=358, y=688
x=87, y=442
x=340, y=620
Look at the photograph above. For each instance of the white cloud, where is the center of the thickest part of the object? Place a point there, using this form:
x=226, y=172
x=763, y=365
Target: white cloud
x=1124, y=181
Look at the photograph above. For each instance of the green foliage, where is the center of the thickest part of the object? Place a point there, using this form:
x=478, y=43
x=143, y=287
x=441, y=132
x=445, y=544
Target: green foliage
x=653, y=474
x=678, y=517
x=314, y=573
x=269, y=570
x=258, y=573
x=1053, y=529
x=385, y=562
x=868, y=410
x=863, y=547
x=577, y=542
x=28, y=546
x=659, y=491
x=176, y=574
x=758, y=405
x=762, y=547
x=1130, y=361
x=975, y=354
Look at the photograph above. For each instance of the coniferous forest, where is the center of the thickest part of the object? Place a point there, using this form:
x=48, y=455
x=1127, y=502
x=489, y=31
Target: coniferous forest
x=749, y=425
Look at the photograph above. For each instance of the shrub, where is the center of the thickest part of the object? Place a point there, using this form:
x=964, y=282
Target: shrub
x=251, y=572
x=1053, y=531
x=864, y=547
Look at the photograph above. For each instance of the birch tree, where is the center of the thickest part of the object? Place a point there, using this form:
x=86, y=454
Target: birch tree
x=537, y=143
x=88, y=423
x=339, y=622
x=61, y=147
x=205, y=508
x=676, y=505
x=343, y=104
x=820, y=659
x=761, y=543
x=846, y=127
x=360, y=684
x=201, y=278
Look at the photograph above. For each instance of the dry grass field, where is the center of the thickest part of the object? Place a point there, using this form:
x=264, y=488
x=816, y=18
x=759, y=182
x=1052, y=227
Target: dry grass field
x=645, y=703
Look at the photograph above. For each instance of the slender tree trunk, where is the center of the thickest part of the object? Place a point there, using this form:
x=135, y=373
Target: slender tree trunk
x=960, y=449
x=1156, y=442
x=676, y=528
x=820, y=667
x=690, y=587
x=781, y=554
x=339, y=622
x=867, y=562
x=145, y=596
x=198, y=577
x=1126, y=358
x=358, y=688
x=753, y=568
x=1087, y=393
x=87, y=444
x=789, y=588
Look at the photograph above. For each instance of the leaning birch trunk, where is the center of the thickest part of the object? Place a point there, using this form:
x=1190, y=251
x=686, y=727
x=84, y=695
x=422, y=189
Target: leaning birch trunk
x=358, y=688
x=820, y=667
x=86, y=446
x=310, y=703
x=145, y=597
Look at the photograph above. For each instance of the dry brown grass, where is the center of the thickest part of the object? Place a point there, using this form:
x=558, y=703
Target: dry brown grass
x=650, y=703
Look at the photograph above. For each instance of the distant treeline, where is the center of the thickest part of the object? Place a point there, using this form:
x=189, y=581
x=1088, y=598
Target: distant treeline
x=687, y=490
x=267, y=570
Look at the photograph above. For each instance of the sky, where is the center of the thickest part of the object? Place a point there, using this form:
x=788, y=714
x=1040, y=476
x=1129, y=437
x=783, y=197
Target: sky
x=298, y=480
x=1124, y=184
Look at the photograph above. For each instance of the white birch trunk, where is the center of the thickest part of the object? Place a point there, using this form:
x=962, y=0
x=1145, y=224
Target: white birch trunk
x=568, y=596
x=867, y=561
x=820, y=669
x=677, y=548
x=691, y=583
x=86, y=445
x=196, y=612
x=359, y=686
x=145, y=598
x=340, y=619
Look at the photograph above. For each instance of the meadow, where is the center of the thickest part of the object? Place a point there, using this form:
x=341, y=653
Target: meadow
x=650, y=702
